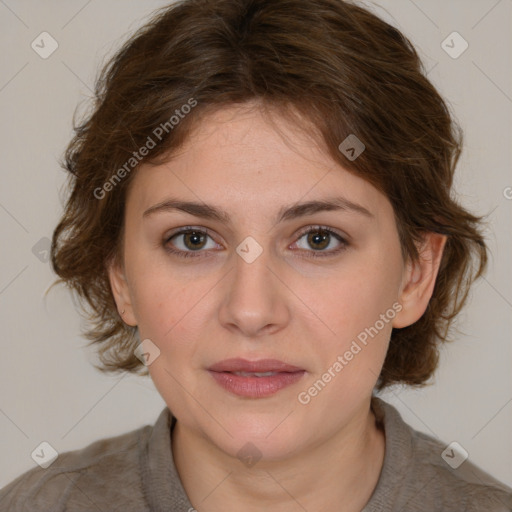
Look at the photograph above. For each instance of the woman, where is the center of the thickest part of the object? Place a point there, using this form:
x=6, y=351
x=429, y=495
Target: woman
x=260, y=216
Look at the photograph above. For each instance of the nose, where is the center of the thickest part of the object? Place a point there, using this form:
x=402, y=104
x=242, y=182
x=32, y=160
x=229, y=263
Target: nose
x=255, y=298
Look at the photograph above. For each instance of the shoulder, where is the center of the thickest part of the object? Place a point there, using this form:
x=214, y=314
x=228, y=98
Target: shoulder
x=457, y=479
x=427, y=474
x=103, y=474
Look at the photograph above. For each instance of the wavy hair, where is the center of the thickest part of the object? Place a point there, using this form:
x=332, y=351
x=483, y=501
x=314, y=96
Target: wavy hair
x=330, y=62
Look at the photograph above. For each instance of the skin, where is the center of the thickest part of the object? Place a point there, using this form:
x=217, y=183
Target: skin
x=285, y=305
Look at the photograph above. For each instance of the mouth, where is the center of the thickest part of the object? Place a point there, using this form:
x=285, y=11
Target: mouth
x=254, y=374
x=259, y=366
x=255, y=379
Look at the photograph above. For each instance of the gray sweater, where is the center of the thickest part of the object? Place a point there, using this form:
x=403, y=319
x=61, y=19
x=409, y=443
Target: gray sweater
x=135, y=472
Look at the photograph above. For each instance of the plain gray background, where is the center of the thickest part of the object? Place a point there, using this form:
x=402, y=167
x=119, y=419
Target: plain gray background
x=50, y=391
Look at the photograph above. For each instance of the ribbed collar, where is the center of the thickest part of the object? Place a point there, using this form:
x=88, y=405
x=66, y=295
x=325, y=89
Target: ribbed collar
x=161, y=483
x=397, y=456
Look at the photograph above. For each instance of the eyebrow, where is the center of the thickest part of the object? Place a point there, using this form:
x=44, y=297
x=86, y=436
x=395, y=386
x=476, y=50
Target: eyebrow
x=211, y=212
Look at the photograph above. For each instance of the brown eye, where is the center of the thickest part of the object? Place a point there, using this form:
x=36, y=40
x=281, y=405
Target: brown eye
x=318, y=239
x=194, y=240
x=189, y=242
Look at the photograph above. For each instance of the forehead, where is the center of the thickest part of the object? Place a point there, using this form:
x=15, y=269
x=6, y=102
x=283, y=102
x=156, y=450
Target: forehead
x=247, y=136
x=242, y=157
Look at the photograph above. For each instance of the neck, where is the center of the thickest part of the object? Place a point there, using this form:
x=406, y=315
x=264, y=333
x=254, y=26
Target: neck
x=337, y=474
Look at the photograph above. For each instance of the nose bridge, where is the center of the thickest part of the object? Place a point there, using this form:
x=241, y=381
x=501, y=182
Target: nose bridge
x=252, y=277
x=253, y=300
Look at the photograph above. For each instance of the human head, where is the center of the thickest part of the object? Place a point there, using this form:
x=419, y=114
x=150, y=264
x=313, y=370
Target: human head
x=326, y=61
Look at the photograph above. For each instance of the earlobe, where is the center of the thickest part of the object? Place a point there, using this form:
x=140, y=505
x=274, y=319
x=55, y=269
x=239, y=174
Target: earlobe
x=121, y=292
x=419, y=280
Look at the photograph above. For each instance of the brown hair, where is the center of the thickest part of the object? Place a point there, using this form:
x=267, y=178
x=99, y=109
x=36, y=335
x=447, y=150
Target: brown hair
x=335, y=64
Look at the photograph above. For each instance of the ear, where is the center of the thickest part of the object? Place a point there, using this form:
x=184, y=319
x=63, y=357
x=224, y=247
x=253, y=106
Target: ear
x=121, y=292
x=419, y=280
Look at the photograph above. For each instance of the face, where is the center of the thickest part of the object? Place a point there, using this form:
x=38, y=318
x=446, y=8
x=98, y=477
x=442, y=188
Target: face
x=313, y=287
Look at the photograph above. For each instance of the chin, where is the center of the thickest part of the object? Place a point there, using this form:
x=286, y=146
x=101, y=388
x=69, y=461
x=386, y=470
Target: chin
x=267, y=437
x=253, y=450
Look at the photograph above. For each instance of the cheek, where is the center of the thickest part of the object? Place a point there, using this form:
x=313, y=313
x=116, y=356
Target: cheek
x=170, y=305
x=354, y=297
x=356, y=304
x=157, y=304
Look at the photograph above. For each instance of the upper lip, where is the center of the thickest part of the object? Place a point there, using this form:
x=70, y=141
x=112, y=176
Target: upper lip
x=261, y=365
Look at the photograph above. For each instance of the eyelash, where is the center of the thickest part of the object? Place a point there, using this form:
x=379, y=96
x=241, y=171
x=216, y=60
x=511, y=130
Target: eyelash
x=204, y=231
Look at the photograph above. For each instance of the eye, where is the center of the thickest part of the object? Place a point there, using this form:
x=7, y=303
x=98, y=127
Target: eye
x=320, y=238
x=189, y=242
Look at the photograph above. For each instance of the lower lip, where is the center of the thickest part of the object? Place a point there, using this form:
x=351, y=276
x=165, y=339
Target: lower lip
x=256, y=387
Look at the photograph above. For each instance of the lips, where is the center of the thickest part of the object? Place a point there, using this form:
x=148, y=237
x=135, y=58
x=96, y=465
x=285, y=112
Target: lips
x=255, y=379
x=253, y=367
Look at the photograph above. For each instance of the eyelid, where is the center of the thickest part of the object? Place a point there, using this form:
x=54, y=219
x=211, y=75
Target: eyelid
x=186, y=229
x=320, y=227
